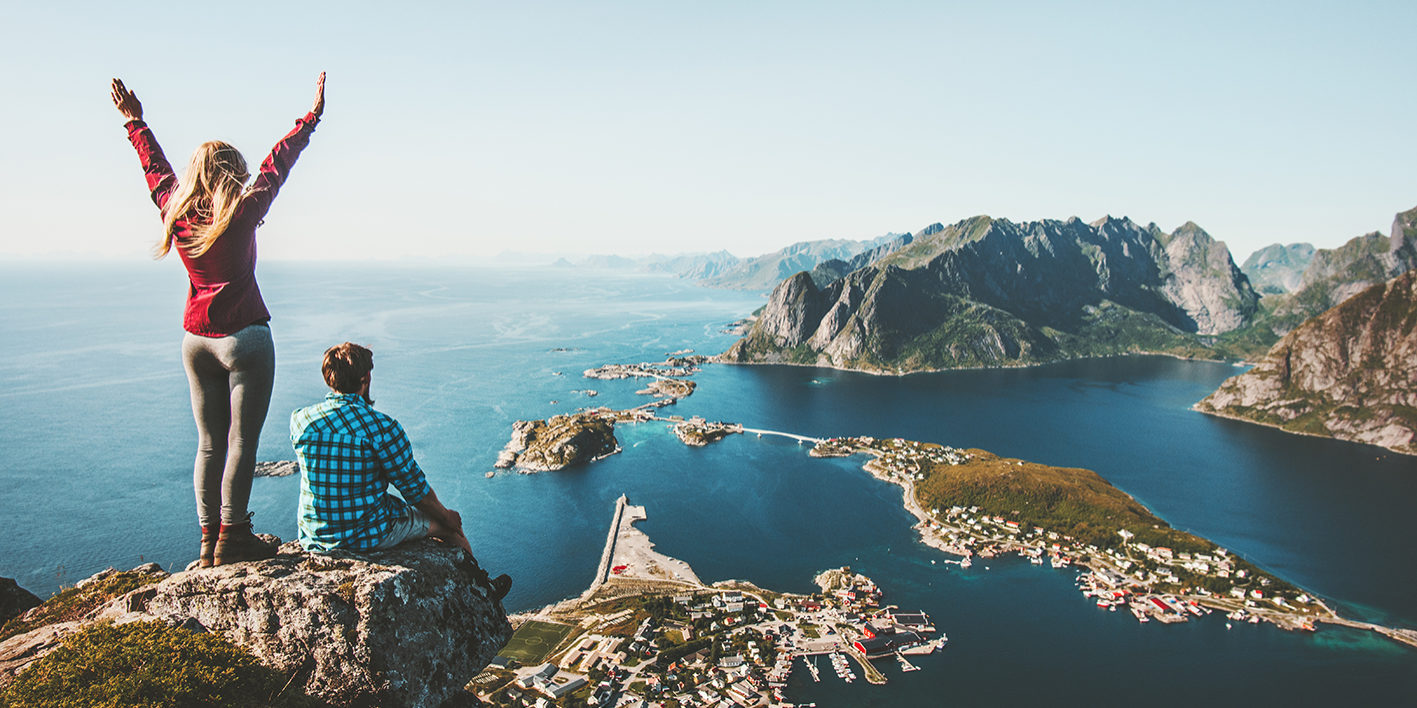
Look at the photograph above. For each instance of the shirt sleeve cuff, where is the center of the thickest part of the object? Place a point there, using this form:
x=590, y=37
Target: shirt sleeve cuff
x=418, y=494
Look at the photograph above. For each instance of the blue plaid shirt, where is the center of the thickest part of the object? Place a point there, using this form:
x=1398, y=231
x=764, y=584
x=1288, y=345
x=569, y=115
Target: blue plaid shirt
x=349, y=454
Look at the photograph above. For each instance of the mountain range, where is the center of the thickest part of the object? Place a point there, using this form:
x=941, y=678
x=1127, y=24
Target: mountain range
x=722, y=269
x=991, y=292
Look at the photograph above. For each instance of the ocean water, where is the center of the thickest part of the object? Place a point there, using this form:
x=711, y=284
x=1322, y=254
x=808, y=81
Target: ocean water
x=96, y=443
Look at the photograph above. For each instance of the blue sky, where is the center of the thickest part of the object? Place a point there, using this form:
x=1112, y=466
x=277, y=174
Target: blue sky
x=459, y=130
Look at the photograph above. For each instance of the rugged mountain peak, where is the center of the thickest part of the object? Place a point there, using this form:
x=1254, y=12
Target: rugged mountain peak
x=930, y=230
x=1404, y=234
x=794, y=309
x=1112, y=222
x=1205, y=282
x=1278, y=268
x=1346, y=373
x=1026, y=290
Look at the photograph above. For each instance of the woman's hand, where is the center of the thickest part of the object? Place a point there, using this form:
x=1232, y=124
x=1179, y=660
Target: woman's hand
x=127, y=102
x=319, y=96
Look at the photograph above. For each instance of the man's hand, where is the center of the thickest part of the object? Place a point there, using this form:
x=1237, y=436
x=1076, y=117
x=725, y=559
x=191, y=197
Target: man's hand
x=127, y=102
x=446, y=523
x=319, y=96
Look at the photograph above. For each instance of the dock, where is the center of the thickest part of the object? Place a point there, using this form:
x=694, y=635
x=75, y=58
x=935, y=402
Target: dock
x=904, y=664
x=872, y=674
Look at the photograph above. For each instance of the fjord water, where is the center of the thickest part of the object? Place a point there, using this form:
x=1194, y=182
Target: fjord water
x=97, y=439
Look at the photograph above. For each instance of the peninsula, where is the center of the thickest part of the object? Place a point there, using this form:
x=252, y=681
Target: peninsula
x=973, y=502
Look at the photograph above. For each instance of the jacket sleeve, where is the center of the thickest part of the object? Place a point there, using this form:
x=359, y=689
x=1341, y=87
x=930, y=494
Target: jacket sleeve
x=156, y=168
x=276, y=167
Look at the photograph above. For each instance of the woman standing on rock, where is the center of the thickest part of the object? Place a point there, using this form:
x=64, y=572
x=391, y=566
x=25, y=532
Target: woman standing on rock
x=210, y=216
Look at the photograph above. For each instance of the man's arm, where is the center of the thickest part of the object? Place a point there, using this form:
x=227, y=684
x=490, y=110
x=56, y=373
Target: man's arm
x=395, y=454
x=446, y=524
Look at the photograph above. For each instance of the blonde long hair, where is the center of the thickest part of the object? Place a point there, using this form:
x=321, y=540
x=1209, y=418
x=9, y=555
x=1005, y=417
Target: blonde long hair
x=207, y=196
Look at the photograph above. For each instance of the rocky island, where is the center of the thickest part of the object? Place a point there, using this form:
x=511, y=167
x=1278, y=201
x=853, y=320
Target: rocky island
x=697, y=432
x=560, y=441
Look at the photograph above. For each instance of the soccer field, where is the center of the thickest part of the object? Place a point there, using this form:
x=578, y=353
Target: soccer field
x=534, y=640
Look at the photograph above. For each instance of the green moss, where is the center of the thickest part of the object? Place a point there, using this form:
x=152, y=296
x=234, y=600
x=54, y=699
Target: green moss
x=346, y=591
x=149, y=664
x=74, y=603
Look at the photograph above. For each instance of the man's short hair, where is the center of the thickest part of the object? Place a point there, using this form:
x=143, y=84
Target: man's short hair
x=346, y=365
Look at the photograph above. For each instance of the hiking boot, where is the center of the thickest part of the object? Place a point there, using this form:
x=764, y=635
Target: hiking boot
x=236, y=544
x=500, y=586
x=209, y=536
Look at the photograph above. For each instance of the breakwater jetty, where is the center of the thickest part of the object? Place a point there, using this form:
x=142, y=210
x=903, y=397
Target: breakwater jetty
x=602, y=573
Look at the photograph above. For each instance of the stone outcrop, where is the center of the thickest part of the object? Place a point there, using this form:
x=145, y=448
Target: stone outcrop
x=410, y=626
x=14, y=600
x=1349, y=373
x=987, y=292
x=282, y=468
x=559, y=442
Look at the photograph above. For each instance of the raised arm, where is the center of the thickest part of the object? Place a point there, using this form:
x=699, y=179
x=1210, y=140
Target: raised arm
x=319, y=108
x=276, y=167
x=125, y=101
x=156, y=169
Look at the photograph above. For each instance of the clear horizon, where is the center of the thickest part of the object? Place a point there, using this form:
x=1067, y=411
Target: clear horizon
x=463, y=130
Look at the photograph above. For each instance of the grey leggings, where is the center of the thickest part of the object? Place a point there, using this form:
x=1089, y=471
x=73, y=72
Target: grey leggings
x=231, y=379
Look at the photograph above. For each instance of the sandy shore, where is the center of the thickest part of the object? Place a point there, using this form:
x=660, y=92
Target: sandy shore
x=635, y=552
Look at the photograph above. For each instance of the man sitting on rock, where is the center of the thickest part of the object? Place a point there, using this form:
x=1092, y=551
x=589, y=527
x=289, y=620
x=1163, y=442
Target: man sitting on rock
x=349, y=454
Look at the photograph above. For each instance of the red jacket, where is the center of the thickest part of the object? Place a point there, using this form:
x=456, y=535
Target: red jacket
x=223, y=297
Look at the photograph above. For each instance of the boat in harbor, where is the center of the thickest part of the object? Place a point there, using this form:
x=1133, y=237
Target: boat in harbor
x=929, y=647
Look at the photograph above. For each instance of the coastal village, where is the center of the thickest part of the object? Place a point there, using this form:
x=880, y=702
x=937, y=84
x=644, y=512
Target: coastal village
x=1152, y=582
x=649, y=633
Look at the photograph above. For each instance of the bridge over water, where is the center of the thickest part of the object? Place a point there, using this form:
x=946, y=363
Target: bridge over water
x=779, y=433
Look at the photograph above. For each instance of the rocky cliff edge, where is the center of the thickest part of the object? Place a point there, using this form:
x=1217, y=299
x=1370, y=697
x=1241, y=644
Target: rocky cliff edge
x=410, y=626
x=1348, y=373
